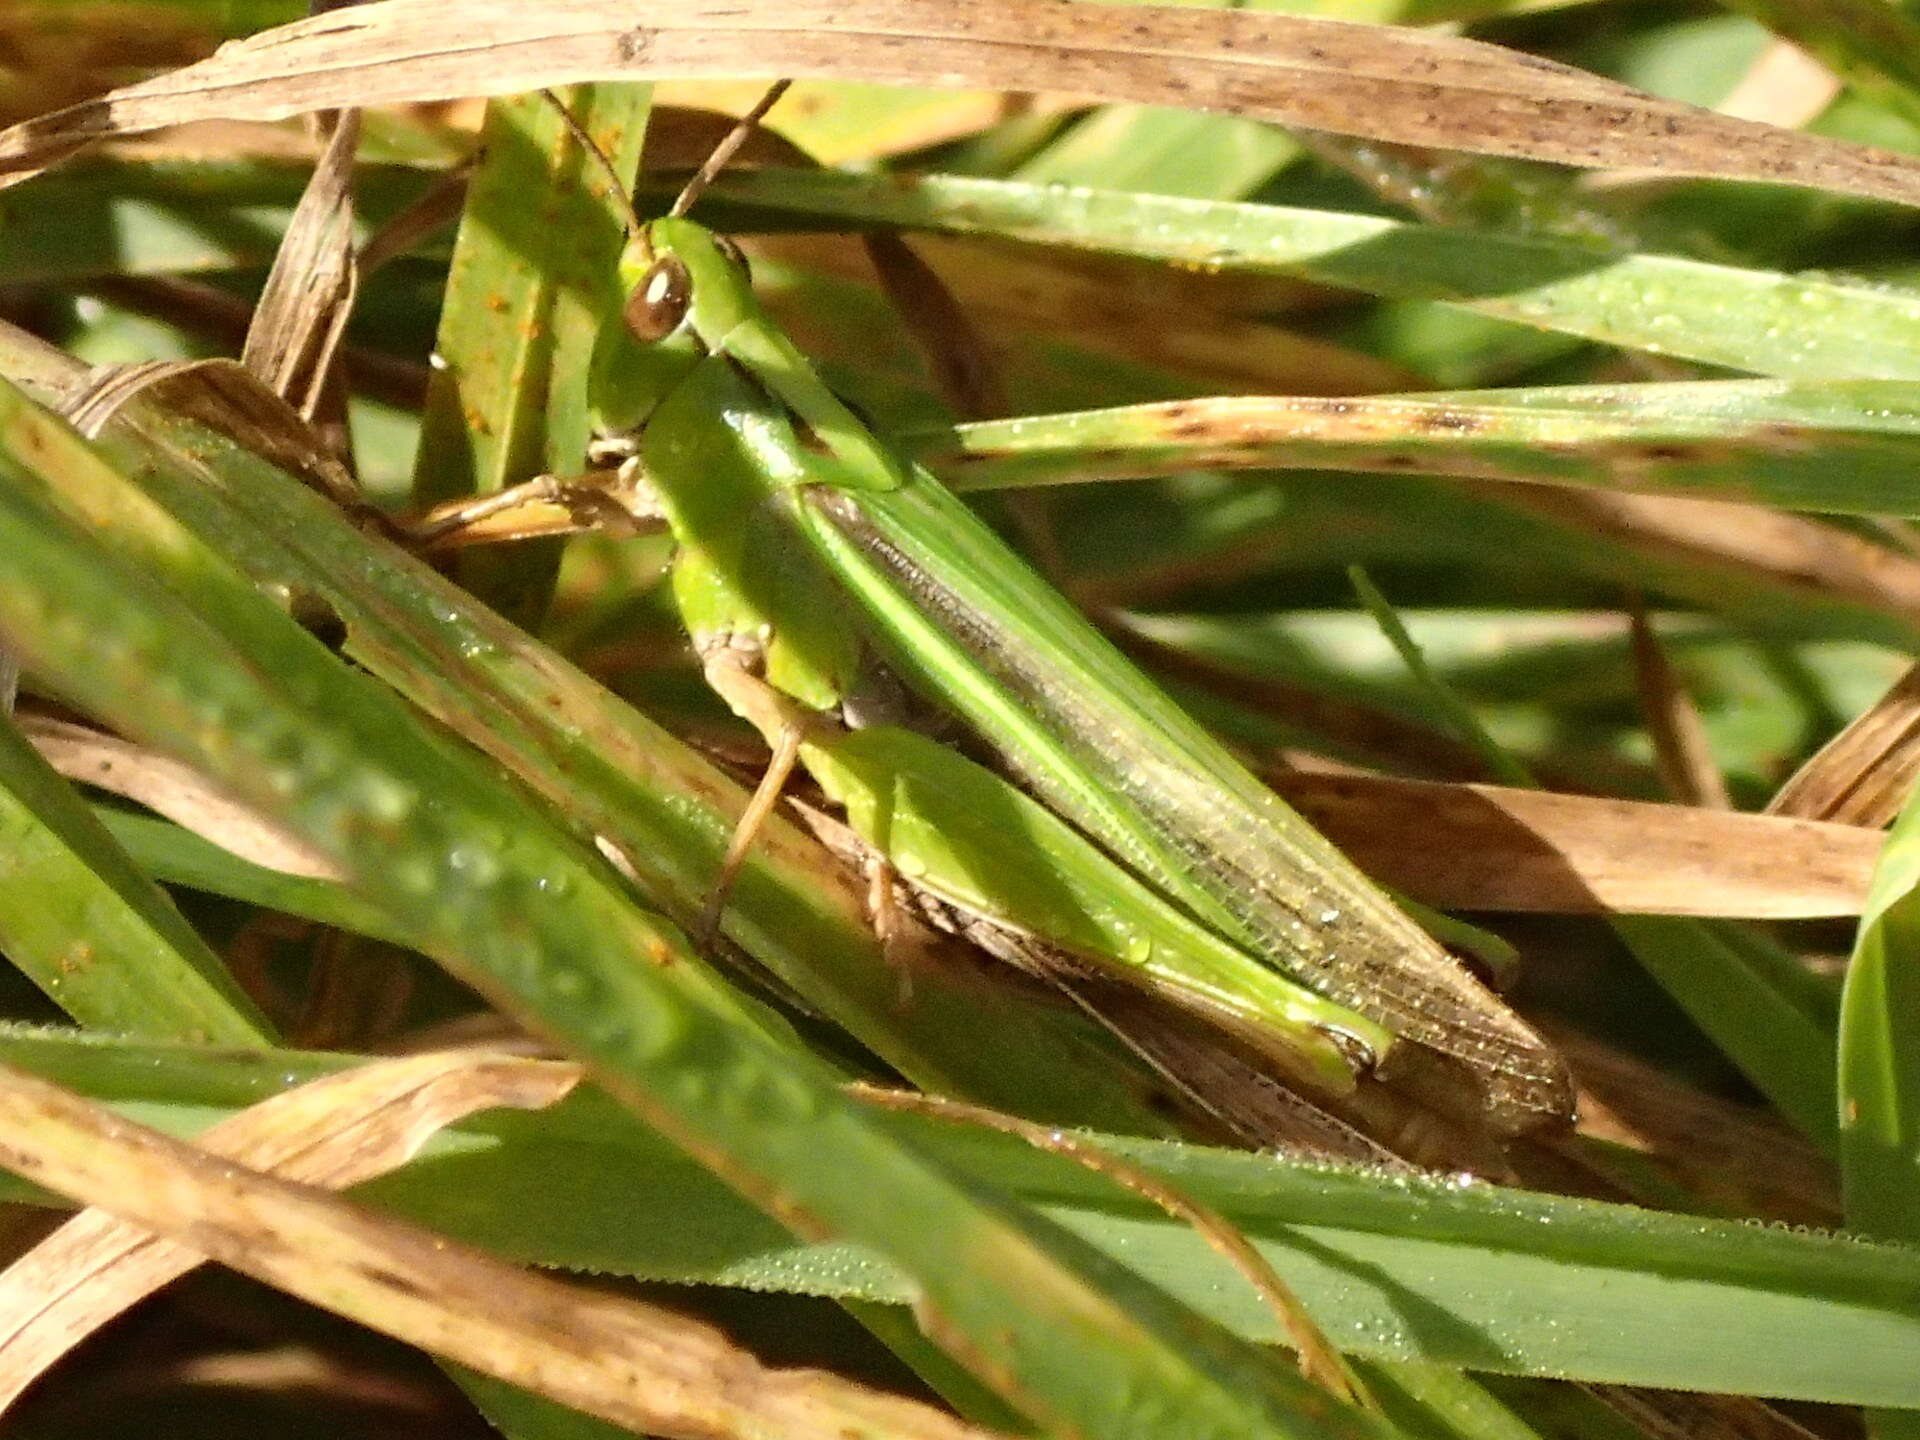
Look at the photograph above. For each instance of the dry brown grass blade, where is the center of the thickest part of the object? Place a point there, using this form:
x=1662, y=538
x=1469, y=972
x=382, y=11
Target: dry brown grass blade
x=1410, y=86
x=305, y=304
x=622, y=1360
x=221, y=394
x=165, y=786
x=1489, y=847
x=1687, y=766
x=334, y=1132
x=1104, y=307
x=1784, y=549
x=1738, y=1156
x=1864, y=774
x=1674, y=1415
x=1784, y=86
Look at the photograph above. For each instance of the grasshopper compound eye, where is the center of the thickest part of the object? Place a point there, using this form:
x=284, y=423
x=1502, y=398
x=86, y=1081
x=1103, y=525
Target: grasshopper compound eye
x=659, y=302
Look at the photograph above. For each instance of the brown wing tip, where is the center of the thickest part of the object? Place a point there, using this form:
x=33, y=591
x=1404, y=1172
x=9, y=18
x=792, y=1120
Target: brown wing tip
x=1532, y=1093
x=1533, y=1102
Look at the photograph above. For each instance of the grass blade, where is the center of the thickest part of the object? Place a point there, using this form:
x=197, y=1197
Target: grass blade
x=1411, y=1269
x=1718, y=314
x=1835, y=446
x=530, y=280
x=91, y=930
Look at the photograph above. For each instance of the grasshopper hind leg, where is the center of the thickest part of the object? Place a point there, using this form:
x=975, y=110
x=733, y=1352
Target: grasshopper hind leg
x=731, y=664
x=773, y=780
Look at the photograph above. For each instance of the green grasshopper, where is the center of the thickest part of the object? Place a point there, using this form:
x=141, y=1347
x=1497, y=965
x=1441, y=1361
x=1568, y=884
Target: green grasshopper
x=792, y=519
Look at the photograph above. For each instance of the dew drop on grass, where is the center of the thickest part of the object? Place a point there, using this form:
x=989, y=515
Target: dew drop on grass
x=475, y=864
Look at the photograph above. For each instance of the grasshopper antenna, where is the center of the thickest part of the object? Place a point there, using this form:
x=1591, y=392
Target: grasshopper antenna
x=728, y=148
x=635, y=226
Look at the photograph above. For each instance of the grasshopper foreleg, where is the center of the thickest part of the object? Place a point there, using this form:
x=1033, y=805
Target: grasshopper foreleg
x=547, y=505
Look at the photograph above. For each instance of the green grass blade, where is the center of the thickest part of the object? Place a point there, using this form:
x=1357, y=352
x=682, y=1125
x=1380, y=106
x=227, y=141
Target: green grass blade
x=1429, y=1400
x=1879, y=1067
x=1880, y=1047
x=1849, y=446
x=1453, y=711
x=175, y=856
x=1403, y=1270
x=1741, y=1008
x=1718, y=314
x=530, y=282
x=91, y=930
x=521, y=1415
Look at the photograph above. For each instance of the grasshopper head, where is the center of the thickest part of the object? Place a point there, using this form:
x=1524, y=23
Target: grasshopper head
x=659, y=274
x=686, y=289
x=639, y=361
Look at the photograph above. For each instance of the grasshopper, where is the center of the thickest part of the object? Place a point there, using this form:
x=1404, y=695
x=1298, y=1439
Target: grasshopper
x=1133, y=840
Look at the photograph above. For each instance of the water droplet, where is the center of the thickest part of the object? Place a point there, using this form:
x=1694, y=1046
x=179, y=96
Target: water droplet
x=385, y=800
x=475, y=864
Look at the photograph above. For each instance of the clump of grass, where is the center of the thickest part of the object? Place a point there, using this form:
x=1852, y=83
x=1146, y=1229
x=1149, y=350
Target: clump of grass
x=1628, y=460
